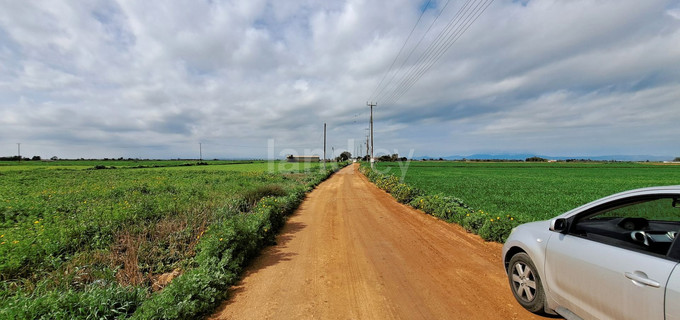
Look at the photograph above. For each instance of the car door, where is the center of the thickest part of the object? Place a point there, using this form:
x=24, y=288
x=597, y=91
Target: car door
x=596, y=280
x=673, y=296
x=600, y=274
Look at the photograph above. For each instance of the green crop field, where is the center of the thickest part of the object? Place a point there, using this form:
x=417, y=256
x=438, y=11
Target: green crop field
x=530, y=191
x=89, y=239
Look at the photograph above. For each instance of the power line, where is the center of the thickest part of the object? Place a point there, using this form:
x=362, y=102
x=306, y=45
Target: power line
x=413, y=49
x=402, y=48
x=456, y=27
x=451, y=39
x=427, y=53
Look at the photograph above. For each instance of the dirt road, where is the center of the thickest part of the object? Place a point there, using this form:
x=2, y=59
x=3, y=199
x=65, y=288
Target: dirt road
x=352, y=252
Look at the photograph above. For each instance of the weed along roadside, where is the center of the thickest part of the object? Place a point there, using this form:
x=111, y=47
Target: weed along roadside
x=85, y=244
x=448, y=208
x=221, y=256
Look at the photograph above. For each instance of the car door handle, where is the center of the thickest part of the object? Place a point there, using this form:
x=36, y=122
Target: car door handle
x=642, y=280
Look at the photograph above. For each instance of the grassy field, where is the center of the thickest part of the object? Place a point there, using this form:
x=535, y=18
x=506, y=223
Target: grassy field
x=84, y=239
x=531, y=191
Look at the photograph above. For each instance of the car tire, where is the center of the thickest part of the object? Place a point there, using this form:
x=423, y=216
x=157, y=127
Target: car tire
x=525, y=283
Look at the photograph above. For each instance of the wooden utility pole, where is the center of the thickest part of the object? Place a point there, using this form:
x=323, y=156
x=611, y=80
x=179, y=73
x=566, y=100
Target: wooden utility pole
x=367, y=140
x=324, y=142
x=200, y=151
x=19, y=151
x=371, y=105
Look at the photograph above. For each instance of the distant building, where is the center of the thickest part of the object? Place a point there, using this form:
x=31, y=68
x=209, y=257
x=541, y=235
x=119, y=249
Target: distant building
x=292, y=158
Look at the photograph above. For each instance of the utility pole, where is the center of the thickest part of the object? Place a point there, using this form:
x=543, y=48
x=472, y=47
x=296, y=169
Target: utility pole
x=19, y=151
x=324, y=142
x=367, y=145
x=371, y=105
x=200, y=151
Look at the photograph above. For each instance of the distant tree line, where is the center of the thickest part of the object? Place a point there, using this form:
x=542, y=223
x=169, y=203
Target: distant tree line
x=17, y=158
x=536, y=159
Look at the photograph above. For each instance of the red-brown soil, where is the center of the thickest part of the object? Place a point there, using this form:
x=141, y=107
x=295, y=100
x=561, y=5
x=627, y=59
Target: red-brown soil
x=352, y=252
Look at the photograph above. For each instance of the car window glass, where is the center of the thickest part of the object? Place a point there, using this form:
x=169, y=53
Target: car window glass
x=646, y=225
x=658, y=209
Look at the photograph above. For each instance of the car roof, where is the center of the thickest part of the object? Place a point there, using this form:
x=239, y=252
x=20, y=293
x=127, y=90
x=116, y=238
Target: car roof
x=674, y=189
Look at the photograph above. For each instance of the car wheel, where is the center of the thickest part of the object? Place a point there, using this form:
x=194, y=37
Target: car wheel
x=525, y=283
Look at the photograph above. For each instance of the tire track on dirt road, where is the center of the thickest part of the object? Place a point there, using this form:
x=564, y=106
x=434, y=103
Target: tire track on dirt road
x=352, y=252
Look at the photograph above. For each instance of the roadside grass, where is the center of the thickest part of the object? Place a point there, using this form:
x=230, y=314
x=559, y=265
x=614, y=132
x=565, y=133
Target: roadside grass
x=506, y=194
x=93, y=243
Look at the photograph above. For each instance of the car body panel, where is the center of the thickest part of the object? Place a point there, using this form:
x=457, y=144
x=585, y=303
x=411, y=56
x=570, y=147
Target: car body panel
x=672, y=309
x=585, y=267
x=589, y=279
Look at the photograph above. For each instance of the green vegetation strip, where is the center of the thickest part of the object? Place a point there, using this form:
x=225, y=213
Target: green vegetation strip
x=448, y=208
x=509, y=193
x=82, y=244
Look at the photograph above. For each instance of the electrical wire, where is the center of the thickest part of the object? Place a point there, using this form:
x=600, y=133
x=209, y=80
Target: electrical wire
x=413, y=49
x=448, y=36
x=432, y=47
x=402, y=48
x=442, y=50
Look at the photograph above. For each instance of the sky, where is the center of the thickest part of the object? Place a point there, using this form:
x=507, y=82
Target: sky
x=259, y=78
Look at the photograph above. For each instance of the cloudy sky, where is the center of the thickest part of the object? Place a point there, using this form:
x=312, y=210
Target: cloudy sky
x=259, y=78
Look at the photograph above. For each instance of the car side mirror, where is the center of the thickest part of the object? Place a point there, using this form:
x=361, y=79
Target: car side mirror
x=558, y=225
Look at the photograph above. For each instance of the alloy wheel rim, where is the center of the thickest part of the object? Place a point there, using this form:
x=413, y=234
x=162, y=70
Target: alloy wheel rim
x=523, y=282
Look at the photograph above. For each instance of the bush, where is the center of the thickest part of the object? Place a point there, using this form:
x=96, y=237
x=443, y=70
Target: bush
x=444, y=207
x=497, y=228
x=112, y=302
x=251, y=197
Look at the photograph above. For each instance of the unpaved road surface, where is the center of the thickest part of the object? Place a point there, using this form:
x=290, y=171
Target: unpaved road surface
x=352, y=252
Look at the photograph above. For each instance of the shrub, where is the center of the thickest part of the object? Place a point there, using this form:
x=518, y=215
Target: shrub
x=252, y=196
x=497, y=228
x=473, y=221
x=111, y=302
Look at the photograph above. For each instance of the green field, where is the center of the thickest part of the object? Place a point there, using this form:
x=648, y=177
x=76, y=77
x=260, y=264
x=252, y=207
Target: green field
x=89, y=239
x=530, y=191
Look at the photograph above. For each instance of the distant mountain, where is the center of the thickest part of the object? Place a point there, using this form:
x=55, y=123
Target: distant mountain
x=523, y=156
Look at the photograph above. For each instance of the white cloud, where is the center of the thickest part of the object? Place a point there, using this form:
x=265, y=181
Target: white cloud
x=153, y=77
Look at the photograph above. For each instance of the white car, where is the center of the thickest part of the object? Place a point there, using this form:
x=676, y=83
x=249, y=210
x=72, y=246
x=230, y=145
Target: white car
x=613, y=258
